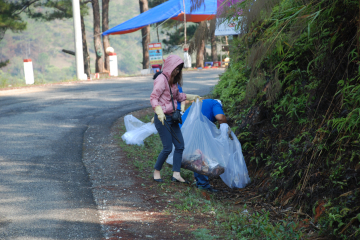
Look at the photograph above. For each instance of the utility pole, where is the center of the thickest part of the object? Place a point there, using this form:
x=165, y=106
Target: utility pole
x=184, y=21
x=78, y=41
x=187, y=59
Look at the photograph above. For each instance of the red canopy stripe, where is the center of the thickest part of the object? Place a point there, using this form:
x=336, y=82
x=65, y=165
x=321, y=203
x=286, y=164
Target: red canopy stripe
x=193, y=17
x=127, y=31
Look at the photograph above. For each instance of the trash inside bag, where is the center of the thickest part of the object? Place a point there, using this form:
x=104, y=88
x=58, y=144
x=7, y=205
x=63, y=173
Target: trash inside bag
x=136, y=130
x=198, y=162
x=209, y=151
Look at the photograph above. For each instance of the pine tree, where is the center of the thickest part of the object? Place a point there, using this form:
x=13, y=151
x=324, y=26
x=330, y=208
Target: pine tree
x=99, y=64
x=197, y=43
x=214, y=56
x=105, y=27
x=10, y=20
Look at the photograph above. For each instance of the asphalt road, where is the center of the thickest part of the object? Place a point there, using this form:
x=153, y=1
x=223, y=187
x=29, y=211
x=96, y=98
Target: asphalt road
x=45, y=190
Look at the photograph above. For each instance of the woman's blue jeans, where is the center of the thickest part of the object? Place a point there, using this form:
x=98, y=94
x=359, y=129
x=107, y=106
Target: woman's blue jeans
x=168, y=140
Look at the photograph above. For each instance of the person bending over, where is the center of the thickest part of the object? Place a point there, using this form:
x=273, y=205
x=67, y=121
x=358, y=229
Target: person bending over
x=212, y=109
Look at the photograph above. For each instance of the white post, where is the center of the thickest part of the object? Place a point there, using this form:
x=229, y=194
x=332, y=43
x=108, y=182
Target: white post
x=78, y=41
x=187, y=60
x=113, y=65
x=28, y=71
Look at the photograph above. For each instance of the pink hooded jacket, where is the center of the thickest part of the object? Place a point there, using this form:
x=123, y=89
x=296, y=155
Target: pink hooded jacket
x=161, y=91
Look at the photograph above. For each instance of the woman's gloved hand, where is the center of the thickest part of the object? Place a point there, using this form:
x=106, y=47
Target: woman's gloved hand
x=182, y=107
x=192, y=97
x=160, y=114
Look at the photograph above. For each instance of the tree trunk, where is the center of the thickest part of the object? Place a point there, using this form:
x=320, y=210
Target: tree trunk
x=105, y=26
x=85, y=49
x=157, y=32
x=200, y=54
x=145, y=35
x=99, y=65
x=201, y=34
x=213, y=47
x=205, y=55
x=227, y=44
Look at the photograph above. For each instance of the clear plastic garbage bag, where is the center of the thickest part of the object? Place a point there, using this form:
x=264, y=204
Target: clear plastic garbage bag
x=136, y=130
x=132, y=123
x=209, y=150
x=236, y=173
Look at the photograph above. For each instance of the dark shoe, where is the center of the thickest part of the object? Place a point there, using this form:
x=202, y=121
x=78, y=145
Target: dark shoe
x=175, y=180
x=209, y=189
x=158, y=180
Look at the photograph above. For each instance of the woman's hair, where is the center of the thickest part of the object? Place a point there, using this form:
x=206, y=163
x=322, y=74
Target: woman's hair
x=177, y=79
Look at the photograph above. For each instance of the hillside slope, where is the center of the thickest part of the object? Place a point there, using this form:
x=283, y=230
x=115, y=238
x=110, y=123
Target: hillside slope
x=293, y=94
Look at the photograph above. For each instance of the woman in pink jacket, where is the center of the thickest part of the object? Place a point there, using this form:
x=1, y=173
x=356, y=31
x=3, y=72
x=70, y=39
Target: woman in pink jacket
x=160, y=100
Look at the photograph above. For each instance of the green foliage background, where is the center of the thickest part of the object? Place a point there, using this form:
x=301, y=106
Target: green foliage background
x=43, y=41
x=292, y=91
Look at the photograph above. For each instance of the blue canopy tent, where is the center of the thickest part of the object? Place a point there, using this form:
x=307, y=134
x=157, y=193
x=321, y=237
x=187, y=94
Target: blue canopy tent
x=173, y=9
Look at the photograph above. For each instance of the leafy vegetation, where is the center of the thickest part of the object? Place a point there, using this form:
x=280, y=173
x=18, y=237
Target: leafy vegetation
x=10, y=20
x=9, y=17
x=292, y=92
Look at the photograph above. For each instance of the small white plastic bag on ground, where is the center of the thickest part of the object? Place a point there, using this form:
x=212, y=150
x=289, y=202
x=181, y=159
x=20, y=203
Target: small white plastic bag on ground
x=209, y=150
x=136, y=130
x=132, y=123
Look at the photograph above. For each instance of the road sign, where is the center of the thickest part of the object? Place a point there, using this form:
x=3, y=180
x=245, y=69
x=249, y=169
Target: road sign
x=225, y=28
x=155, y=53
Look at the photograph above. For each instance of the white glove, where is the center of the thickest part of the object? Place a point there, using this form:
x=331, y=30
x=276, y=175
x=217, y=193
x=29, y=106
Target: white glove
x=226, y=130
x=182, y=107
x=160, y=114
x=192, y=97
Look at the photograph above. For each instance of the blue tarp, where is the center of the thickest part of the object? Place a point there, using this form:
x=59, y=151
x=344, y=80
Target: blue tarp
x=171, y=9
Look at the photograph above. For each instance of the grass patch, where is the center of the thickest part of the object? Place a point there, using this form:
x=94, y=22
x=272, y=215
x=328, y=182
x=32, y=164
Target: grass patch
x=259, y=225
x=203, y=234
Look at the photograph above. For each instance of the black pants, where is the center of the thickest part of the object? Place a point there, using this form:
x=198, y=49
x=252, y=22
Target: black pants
x=168, y=140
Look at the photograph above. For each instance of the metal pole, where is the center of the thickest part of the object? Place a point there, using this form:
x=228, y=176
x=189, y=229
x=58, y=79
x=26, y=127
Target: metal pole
x=186, y=54
x=78, y=41
x=184, y=21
